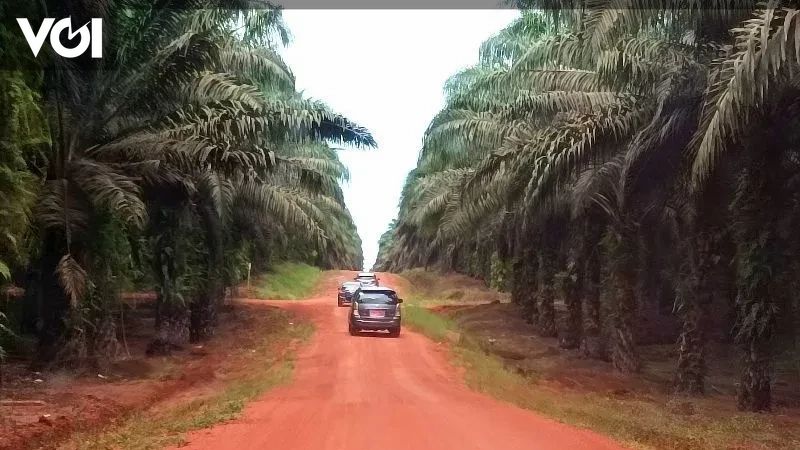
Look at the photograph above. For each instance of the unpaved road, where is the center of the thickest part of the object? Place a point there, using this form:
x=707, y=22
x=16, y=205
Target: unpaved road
x=375, y=392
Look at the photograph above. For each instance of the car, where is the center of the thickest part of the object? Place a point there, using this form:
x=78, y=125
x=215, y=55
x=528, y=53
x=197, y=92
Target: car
x=374, y=309
x=345, y=294
x=367, y=279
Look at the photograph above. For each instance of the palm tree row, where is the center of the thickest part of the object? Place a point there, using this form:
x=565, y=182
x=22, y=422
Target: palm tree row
x=624, y=159
x=181, y=154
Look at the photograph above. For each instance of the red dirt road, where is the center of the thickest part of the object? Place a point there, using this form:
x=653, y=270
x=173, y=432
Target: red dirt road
x=374, y=392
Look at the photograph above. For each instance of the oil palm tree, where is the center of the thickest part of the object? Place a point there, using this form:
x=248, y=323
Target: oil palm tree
x=642, y=88
x=188, y=104
x=752, y=95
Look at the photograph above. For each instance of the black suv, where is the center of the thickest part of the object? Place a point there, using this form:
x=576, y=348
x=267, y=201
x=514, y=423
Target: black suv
x=346, y=291
x=375, y=308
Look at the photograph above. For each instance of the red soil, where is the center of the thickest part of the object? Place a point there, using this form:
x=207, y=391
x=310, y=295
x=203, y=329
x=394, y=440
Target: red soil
x=371, y=392
x=72, y=402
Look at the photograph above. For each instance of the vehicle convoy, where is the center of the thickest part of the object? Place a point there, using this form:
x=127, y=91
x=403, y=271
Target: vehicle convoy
x=345, y=294
x=374, y=309
x=367, y=279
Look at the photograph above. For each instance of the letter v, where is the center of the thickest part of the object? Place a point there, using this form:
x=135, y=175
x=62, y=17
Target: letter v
x=35, y=41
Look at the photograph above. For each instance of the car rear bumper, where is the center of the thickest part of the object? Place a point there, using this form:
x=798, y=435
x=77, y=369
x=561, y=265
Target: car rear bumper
x=376, y=324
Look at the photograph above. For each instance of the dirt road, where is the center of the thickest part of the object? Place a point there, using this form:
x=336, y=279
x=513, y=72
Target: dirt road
x=375, y=392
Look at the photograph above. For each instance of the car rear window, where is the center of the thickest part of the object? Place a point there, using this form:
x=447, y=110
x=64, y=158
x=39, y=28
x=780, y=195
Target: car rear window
x=376, y=298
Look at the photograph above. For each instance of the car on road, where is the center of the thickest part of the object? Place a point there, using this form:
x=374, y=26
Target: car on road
x=345, y=294
x=374, y=308
x=367, y=279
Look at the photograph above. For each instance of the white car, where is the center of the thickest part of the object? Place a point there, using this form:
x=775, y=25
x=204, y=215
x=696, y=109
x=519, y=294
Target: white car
x=367, y=279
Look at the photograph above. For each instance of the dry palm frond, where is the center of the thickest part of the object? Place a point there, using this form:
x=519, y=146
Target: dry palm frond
x=73, y=279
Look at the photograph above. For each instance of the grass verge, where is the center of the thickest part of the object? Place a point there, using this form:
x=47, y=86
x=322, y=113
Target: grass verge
x=637, y=423
x=144, y=430
x=288, y=281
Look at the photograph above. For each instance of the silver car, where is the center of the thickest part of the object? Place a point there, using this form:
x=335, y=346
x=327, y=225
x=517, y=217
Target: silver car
x=367, y=279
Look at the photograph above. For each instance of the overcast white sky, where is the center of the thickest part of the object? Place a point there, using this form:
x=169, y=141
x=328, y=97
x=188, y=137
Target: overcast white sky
x=385, y=70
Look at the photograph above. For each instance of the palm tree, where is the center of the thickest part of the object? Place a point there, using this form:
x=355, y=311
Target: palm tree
x=188, y=107
x=22, y=134
x=755, y=82
x=624, y=114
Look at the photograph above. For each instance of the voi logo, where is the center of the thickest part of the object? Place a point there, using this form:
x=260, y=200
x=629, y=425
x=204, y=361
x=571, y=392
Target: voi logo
x=90, y=35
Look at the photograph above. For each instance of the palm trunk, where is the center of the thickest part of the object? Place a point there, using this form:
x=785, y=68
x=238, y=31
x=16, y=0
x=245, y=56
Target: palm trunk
x=574, y=328
x=546, y=324
x=754, y=393
x=517, y=280
x=624, y=354
x=104, y=344
x=757, y=206
x=171, y=313
x=50, y=302
x=593, y=344
x=694, y=300
x=203, y=315
x=171, y=328
x=690, y=376
x=204, y=308
x=530, y=287
x=571, y=292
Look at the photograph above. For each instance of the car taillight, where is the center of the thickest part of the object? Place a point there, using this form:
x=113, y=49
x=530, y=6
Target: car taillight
x=397, y=311
x=355, y=312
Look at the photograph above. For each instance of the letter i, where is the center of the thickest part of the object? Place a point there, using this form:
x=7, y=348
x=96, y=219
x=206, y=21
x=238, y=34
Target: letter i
x=97, y=38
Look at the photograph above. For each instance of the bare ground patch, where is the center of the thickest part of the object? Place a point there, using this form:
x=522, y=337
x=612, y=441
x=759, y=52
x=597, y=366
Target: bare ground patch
x=42, y=409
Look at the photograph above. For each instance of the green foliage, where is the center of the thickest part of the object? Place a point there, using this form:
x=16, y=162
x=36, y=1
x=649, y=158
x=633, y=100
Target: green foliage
x=432, y=325
x=22, y=131
x=638, y=121
x=4, y=332
x=288, y=281
x=186, y=146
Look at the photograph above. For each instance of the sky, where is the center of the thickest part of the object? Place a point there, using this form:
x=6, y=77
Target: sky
x=385, y=70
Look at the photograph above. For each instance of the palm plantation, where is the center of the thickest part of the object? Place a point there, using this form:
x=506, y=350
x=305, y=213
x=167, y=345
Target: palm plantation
x=177, y=158
x=625, y=170
x=621, y=161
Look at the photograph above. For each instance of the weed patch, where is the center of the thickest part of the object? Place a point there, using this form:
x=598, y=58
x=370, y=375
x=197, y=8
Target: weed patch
x=288, y=281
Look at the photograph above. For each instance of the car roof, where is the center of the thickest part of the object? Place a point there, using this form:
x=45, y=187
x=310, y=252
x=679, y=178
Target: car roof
x=377, y=289
x=366, y=274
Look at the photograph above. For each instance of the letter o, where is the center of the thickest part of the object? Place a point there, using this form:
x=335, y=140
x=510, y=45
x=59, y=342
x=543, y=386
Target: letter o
x=78, y=50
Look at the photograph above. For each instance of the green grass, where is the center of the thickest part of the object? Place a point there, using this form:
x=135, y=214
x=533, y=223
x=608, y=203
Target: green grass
x=637, y=423
x=432, y=325
x=145, y=430
x=288, y=281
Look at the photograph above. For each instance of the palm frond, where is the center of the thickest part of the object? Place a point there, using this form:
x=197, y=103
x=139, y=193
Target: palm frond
x=73, y=279
x=766, y=48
